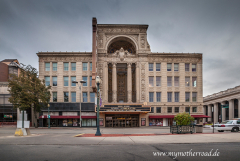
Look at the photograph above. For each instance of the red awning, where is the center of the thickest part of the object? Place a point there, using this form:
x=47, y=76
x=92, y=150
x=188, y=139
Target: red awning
x=161, y=116
x=89, y=117
x=201, y=116
x=68, y=117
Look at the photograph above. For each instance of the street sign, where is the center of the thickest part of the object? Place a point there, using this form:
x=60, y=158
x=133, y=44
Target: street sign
x=49, y=116
x=225, y=106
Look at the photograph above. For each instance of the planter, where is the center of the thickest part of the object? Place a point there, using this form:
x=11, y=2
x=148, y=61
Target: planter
x=182, y=129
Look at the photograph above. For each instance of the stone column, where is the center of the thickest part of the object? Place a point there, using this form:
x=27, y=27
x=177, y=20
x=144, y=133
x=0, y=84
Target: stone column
x=223, y=112
x=210, y=112
x=215, y=112
x=239, y=108
x=204, y=113
x=114, y=82
x=231, y=109
x=129, y=82
x=137, y=79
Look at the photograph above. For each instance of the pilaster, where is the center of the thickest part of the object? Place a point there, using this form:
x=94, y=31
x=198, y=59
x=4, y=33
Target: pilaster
x=215, y=112
x=114, y=82
x=210, y=112
x=129, y=82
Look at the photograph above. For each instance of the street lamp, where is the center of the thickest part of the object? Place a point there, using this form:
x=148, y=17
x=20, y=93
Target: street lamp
x=48, y=116
x=98, y=81
x=82, y=81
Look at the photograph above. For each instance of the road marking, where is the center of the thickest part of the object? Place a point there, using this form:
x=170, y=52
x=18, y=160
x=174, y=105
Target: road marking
x=78, y=135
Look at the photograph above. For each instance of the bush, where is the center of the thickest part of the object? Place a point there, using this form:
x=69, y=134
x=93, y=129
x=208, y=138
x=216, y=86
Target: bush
x=183, y=119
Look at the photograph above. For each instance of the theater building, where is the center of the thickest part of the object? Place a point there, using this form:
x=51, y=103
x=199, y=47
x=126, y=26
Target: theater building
x=139, y=87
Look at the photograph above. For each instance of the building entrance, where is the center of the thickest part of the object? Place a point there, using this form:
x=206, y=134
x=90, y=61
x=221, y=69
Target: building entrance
x=125, y=120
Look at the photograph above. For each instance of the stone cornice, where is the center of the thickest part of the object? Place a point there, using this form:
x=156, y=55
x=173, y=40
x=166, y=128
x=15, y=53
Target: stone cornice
x=3, y=84
x=228, y=92
x=40, y=54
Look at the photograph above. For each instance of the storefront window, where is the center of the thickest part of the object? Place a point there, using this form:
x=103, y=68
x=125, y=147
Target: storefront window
x=156, y=122
x=89, y=122
x=65, y=123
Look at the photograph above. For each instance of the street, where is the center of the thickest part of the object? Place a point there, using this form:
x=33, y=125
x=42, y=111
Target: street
x=60, y=144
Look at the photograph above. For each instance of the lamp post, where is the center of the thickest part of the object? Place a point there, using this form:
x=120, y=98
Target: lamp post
x=48, y=117
x=98, y=81
x=79, y=85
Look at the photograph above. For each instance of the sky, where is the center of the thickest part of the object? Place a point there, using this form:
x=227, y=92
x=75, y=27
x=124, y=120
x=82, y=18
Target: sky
x=210, y=27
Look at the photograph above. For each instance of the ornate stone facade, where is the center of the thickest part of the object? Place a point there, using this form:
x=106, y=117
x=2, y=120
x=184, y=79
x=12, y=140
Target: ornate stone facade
x=124, y=54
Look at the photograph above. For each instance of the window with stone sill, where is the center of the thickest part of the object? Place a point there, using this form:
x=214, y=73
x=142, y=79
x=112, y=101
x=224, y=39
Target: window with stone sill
x=187, y=109
x=85, y=66
x=73, y=78
x=186, y=67
x=85, y=99
x=169, y=94
x=73, y=96
x=176, y=110
x=54, y=66
x=47, y=81
x=169, y=67
x=187, y=96
x=150, y=67
x=158, y=96
x=194, y=96
x=150, y=81
x=85, y=79
x=176, y=81
x=152, y=110
x=158, y=81
x=54, y=96
x=65, y=66
x=151, y=95
x=187, y=81
x=47, y=66
x=54, y=81
x=65, y=79
x=169, y=109
x=169, y=81
x=66, y=97
x=176, y=67
x=194, y=109
x=194, y=81
x=73, y=66
x=158, y=67
x=158, y=109
x=194, y=67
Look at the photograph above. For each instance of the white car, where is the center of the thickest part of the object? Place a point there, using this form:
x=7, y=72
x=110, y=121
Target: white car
x=228, y=125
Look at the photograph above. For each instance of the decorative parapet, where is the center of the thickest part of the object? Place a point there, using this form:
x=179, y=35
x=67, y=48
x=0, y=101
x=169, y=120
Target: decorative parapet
x=221, y=94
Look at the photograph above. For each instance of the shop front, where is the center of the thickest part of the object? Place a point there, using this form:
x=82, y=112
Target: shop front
x=161, y=120
x=123, y=115
x=122, y=120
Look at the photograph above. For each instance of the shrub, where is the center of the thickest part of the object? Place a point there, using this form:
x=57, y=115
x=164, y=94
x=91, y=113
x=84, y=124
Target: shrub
x=183, y=119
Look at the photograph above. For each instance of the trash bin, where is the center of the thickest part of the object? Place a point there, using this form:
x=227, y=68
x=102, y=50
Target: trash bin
x=199, y=128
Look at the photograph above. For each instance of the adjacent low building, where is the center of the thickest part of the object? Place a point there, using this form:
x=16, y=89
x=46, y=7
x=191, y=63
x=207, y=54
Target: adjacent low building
x=139, y=87
x=224, y=105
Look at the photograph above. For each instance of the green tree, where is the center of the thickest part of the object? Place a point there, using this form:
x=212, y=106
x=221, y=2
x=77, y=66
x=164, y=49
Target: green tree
x=27, y=90
x=183, y=119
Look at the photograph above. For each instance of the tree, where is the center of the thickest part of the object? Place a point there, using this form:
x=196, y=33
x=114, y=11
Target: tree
x=183, y=119
x=27, y=90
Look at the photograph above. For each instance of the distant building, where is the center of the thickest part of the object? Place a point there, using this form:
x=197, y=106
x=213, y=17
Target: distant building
x=8, y=115
x=139, y=87
x=215, y=102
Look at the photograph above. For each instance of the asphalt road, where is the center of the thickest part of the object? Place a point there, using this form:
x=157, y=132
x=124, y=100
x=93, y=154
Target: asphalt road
x=227, y=151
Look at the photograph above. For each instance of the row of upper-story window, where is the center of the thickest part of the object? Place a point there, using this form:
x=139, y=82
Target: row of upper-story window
x=73, y=67
x=169, y=67
x=170, y=96
x=170, y=82
x=170, y=109
x=67, y=98
x=66, y=81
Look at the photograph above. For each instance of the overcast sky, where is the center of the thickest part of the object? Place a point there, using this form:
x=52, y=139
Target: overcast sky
x=211, y=27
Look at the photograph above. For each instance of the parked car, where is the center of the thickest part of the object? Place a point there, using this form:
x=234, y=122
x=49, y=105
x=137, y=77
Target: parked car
x=228, y=125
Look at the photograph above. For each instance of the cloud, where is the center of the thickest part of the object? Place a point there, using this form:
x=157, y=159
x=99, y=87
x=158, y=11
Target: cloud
x=208, y=27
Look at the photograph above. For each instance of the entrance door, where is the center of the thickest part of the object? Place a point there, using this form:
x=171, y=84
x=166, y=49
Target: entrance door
x=122, y=120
